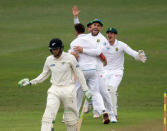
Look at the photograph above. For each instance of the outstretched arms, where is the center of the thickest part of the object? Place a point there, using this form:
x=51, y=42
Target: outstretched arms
x=140, y=55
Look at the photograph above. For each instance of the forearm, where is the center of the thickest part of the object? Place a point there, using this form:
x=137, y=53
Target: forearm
x=103, y=59
x=92, y=52
x=76, y=20
x=130, y=51
x=42, y=77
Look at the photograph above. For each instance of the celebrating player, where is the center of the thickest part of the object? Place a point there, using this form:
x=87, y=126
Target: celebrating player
x=95, y=26
x=114, y=53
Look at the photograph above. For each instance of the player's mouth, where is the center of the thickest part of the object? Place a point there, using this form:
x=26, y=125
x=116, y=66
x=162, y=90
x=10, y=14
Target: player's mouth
x=110, y=37
x=95, y=31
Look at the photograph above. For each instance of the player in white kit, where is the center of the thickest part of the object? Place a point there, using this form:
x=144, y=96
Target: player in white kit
x=62, y=67
x=114, y=53
x=100, y=41
x=88, y=65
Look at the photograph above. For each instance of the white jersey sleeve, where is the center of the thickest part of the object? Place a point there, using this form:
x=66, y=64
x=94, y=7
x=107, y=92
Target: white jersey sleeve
x=72, y=45
x=130, y=51
x=76, y=20
x=92, y=52
x=79, y=73
x=43, y=76
x=94, y=49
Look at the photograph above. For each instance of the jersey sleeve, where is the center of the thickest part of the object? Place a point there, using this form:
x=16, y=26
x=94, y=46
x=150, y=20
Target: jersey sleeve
x=43, y=76
x=72, y=45
x=92, y=52
x=76, y=20
x=79, y=73
x=130, y=51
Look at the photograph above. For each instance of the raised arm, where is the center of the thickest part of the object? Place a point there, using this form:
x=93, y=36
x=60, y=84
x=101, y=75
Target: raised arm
x=75, y=12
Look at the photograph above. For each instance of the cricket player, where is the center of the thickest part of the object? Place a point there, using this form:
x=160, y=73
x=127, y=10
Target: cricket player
x=62, y=67
x=94, y=28
x=75, y=12
x=96, y=37
x=88, y=65
x=114, y=53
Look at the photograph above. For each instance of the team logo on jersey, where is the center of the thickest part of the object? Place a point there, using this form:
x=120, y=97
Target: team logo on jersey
x=105, y=43
x=108, y=48
x=116, y=49
x=63, y=63
x=51, y=65
x=98, y=40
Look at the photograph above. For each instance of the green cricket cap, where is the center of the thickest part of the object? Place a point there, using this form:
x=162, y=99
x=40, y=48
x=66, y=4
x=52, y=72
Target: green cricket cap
x=112, y=30
x=89, y=23
x=97, y=21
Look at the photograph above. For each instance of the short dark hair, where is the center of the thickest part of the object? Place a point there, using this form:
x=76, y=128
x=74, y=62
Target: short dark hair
x=80, y=28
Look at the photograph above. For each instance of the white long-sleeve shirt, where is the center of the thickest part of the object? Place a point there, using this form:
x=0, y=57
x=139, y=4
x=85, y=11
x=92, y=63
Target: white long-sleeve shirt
x=85, y=61
x=115, y=55
x=76, y=20
x=62, y=71
x=101, y=42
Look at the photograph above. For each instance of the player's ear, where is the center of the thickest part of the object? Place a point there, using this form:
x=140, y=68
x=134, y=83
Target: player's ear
x=101, y=28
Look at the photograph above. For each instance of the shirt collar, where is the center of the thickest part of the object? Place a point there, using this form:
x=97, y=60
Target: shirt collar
x=80, y=35
x=115, y=43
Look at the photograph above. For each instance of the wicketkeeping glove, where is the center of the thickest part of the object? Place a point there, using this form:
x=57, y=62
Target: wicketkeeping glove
x=24, y=82
x=141, y=56
x=88, y=95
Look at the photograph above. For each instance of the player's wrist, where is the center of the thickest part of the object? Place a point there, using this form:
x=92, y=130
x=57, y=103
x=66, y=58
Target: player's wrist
x=75, y=16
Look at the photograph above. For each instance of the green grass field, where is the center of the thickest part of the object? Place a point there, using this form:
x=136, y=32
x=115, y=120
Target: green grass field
x=26, y=27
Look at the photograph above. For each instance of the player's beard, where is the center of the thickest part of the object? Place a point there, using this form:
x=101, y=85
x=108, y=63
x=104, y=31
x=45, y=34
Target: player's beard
x=95, y=32
x=109, y=38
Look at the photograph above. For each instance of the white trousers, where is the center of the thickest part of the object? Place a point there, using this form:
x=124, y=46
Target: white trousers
x=104, y=93
x=57, y=95
x=113, y=79
x=91, y=80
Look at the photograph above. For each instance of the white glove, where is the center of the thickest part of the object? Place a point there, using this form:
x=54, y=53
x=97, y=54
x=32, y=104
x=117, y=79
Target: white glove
x=141, y=56
x=88, y=95
x=24, y=82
